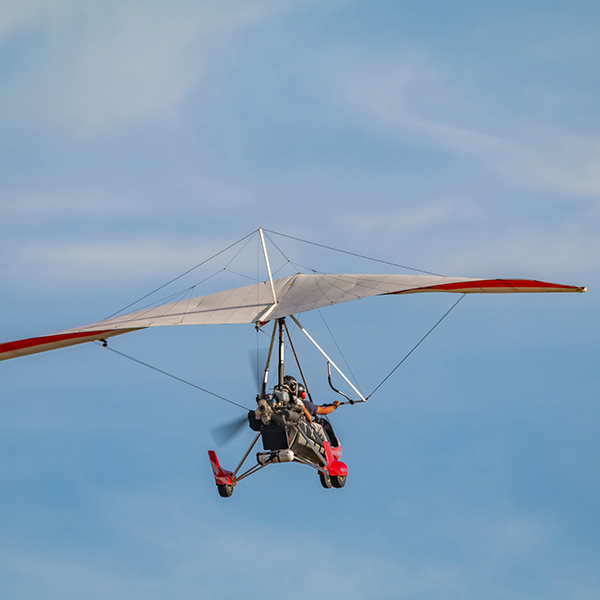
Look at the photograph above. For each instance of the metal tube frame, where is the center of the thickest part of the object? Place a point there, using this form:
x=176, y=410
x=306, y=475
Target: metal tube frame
x=362, y=398
x=263, y=389
x=246, y=455
x=309, y=464
x=281, y=323
x=298, y=362
x=249, y=472
x=252, y=469
x=264, y=247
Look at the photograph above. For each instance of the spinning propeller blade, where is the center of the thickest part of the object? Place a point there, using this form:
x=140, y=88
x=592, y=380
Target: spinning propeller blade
x=223, y=434
x=257, y=357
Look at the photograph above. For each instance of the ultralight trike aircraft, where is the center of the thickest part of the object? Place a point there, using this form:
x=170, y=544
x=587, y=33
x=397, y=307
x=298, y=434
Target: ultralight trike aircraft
x=282, y=417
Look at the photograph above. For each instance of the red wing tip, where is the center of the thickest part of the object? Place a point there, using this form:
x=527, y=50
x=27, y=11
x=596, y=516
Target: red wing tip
x=498, y=285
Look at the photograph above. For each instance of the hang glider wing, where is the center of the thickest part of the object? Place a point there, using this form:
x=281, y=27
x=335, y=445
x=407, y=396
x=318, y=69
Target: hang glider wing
x=254, y=304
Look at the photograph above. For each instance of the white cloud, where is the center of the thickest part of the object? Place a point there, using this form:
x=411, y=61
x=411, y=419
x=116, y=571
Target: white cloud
x=565, y=251
x=71, y=203
x=167, y=548
x=211, y=194
x=115, y=260
x=105, y=261
x=189, y=196
x=407, y=99
x=438, y=213
x=15, y=14
x=134, y=69
x=109, y=66
x=458, y=237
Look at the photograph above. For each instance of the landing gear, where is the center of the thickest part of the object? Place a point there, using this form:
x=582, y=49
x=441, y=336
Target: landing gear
x=338, y=481
x=329, y=481
x=225, y=491
x=325, y=480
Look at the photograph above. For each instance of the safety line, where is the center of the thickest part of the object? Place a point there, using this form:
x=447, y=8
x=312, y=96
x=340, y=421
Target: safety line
x=417, y=345
x=291, y=237
x=141, y=362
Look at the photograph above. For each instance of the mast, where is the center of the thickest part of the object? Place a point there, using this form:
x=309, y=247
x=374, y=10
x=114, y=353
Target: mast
x=264, y=247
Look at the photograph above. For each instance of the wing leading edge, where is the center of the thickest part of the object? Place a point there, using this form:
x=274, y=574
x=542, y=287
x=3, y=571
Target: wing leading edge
x=254, y=303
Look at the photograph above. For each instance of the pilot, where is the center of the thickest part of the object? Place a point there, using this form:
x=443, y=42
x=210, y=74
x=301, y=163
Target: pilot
x=314, y=409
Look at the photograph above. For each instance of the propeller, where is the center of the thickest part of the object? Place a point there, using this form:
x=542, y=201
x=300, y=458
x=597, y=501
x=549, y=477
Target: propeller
x=223, y=434
x=257, y=357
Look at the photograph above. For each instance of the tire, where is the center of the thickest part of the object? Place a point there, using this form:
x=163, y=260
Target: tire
x=338, y=481
x=225, y=491
x=325, y=480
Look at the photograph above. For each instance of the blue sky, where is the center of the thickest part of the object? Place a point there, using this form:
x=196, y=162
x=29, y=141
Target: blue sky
x=139, y=138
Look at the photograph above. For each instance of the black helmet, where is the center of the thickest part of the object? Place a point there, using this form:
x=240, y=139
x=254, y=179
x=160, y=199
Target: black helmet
x=291, y=383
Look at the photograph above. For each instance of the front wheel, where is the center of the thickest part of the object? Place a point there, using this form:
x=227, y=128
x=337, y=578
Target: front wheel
x=325, y=480
x=338, y=481
x=225, y=491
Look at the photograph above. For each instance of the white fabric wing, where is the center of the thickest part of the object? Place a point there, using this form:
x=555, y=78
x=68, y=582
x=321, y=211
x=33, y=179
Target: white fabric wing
x=254, y=303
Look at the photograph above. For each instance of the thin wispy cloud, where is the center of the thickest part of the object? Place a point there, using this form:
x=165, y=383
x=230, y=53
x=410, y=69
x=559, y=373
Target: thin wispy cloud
x=187, y=552
x=110, y=261
x=108, y=69
x=392, y=99
x=417, y=219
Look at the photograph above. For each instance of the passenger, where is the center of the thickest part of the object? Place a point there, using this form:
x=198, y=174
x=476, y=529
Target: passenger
x=309, y=408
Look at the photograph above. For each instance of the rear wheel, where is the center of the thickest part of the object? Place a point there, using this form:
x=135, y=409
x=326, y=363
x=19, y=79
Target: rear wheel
x=225, y=491
x=338, y=481
x=325, y=480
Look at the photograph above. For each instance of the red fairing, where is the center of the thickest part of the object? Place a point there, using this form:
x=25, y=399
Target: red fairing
x=335, y=467
x=222, y=477
x=337, y=451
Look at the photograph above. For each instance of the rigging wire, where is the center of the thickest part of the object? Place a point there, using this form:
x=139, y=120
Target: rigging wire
x=417, y=345
x=239, y=251
x=167, y=299
x=386, y=262
x=160, y=302
x=278, y=248
x=296, y=266
x=239, y=274
x=182, y=275
x=250, y=235
x=141, y=362
x=305, y=358
x=339, y=349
